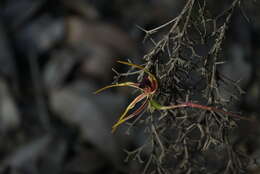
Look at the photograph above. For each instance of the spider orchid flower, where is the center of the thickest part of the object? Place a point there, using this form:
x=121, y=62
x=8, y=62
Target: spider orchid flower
x=148, y=86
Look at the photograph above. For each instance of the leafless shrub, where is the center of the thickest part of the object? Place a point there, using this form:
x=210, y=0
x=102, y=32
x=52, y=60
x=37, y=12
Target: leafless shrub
x=186, y=62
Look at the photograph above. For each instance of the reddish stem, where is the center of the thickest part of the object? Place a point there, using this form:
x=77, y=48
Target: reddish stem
x=208, y=108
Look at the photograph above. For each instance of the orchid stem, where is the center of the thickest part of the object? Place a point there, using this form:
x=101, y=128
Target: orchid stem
x=194, y=105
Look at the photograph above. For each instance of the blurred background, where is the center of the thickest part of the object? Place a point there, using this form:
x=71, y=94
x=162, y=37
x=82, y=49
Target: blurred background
x=55, y=53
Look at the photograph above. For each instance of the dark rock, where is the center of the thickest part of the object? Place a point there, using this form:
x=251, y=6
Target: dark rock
x=7, y=63
x=9, y=115
x=41, y=35
x=80, y=110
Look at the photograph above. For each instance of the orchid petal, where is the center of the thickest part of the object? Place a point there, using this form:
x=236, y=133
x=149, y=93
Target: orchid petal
x=130, y=84
x=153, y=78
x=132, y=104
x=137, y=112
